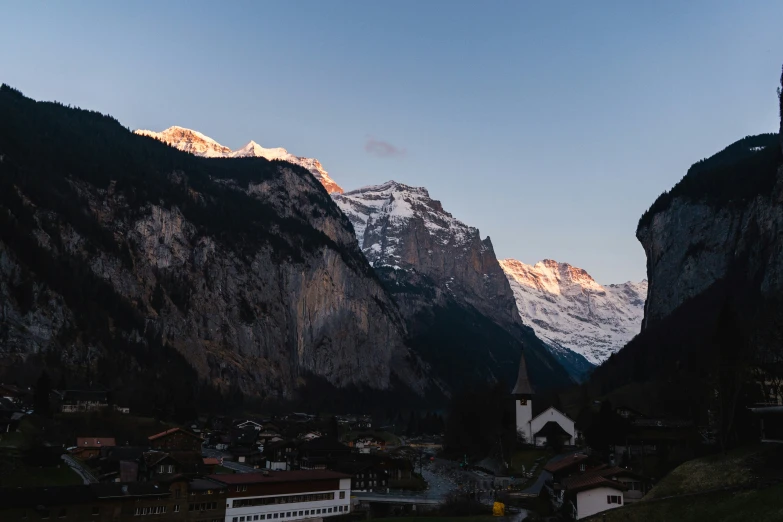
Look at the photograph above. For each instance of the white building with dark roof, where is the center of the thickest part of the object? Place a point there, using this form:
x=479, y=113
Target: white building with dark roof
x=549, y=423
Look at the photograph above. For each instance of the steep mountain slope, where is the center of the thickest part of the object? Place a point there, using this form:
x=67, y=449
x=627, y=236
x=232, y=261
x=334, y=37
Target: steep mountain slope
x=416, y=233
x=457, y=302
x=724, y=212
x=710, y=342
x=568, y=309
x=401, y=226
x=128, y=262
x=201, y=145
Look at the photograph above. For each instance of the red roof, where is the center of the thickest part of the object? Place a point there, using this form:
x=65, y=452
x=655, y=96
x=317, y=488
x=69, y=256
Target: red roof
x=278, y=476
x=172, y=430
x=211, y=461
x=554, y=467
x=95, y=442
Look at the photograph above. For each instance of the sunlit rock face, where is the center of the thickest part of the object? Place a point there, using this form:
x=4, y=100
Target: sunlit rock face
x=568, y=309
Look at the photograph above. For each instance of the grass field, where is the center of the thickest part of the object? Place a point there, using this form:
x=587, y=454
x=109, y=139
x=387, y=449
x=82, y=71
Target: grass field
x=527, y=457
x=741, y=506
x=33, y=476
x=704, y=474
x=688, y=493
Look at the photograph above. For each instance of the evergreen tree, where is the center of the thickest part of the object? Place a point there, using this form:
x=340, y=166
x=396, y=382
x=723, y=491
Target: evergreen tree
x=41, y=397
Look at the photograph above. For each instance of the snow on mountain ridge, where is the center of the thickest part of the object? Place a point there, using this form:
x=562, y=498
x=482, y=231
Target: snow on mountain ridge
x=201, y=145
x=567, y=308
x=392, y=205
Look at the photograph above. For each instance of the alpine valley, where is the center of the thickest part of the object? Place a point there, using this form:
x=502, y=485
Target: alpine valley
x=126, y=256
x=402, y=231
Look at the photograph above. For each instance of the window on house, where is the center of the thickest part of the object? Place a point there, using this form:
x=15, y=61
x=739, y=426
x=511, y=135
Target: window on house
x=177, y=493
x=241, y=519
x=614, y=499
x=234, y=519
x=581, y=467
x=176, y=508
x=171, y=468
x=342, y=494
x=96, y=510
x=61, y=514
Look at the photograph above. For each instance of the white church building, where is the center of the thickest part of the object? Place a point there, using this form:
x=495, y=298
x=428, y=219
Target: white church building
x=549, y=423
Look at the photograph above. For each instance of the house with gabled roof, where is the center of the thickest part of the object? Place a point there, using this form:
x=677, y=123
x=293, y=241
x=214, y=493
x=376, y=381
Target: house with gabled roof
x=550, y=423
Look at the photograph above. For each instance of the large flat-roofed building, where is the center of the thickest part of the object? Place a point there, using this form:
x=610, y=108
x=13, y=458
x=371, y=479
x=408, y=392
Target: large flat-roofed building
x=286, y=495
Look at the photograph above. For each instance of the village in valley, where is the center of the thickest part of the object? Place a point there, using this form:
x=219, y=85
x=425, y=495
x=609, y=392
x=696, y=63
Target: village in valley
x=77, y=456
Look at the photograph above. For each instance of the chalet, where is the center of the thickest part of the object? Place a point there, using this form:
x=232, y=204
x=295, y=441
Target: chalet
x=73, y=401
x=95, y=502
x=591, y=493
x=249, y=424
x=771, y=421
x=210, y=463
x=368, y=444
x=546, y=425
x=176, y=439
x=246, y=455
x=322, y=453
x=281, y=455
x=120, y=464
x=89, y=447
x=365, y=475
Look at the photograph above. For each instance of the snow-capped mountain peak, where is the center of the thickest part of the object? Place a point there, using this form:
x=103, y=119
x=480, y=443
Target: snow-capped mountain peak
x=189, y=141
x=202, y=145
x=375, y=208
x=569, y=309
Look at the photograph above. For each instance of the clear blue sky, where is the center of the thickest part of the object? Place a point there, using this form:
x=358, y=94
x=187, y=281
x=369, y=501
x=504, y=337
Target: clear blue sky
x=551, y=126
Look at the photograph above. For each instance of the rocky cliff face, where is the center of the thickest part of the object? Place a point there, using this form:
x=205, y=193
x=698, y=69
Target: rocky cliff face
x=401, y=227
x=459, y=307
x=568, y=309
x=196, y=143
x=693, y=240
x=246, y=268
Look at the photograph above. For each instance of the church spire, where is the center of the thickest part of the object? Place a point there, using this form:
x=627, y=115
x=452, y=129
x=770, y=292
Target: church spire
x=523, y=387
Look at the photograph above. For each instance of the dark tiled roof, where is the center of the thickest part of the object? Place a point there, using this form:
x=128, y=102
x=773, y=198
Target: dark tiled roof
x=324, y=444
x=552, y=429
x=95, y=442
x=203, y=484
x=565, y=462
x=278, y=476
x=590, y=481
x=172, y=430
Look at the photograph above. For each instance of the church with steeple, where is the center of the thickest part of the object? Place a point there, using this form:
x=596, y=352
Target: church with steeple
x=549, y=423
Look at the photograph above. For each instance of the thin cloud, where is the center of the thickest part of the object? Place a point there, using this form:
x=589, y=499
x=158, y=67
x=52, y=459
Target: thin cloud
x=382, y=149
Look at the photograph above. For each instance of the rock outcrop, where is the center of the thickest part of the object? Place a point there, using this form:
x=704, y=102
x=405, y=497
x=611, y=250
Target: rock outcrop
x=401, y=227
x=734, y=224
x=115, y=247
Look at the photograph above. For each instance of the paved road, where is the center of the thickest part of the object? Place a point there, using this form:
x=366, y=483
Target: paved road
x=79, y=468
x=230, y=464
